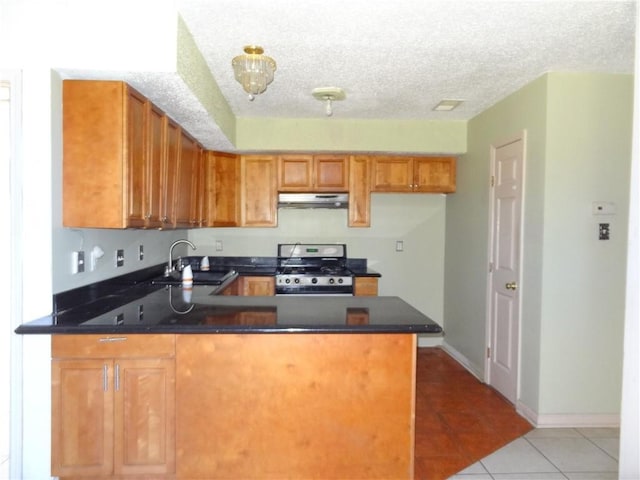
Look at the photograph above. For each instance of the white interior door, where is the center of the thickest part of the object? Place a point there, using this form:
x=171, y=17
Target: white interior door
x=504, y=289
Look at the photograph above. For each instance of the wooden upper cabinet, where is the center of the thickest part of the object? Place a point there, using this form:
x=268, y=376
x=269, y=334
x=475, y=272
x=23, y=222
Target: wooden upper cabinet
x=331, y=173
x=170, y=169
x=313, y=173
x=295, y=173
x=258, y=191
x=392, y=174
x=155, y=167
x=136, y=193
x=123, y=161
x=107, y=155
x=413, y=174
x=221, y=189
x=359, y=188
x=435, y=174
x=188, y=195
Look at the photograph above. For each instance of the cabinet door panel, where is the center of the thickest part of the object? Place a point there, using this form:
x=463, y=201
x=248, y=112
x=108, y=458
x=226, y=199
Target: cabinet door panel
x=258, y=286
x=331, y=173
x=295, y=173
x=82, y=417
x=144, y=417
x=94, y=148
x=435, y=174
x=360, y=192
x=187, y=170
x=222, y=189
x=170, y=173
x=392, y=174
x=259, y=194
x=154, y=168
x=136, y=164
x=366, y=286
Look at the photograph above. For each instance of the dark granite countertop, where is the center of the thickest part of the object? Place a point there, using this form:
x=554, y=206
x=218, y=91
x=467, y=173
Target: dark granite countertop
x=131, y=303
x=148, y=308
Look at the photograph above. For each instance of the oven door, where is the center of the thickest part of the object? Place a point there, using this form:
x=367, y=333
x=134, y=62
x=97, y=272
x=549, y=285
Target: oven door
x=333, y=290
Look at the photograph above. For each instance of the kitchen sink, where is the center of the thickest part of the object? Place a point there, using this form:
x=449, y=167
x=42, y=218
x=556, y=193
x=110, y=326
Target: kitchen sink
x=199, y=278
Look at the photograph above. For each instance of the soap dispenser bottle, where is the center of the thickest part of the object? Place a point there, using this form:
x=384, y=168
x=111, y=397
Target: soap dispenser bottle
x=187, y=277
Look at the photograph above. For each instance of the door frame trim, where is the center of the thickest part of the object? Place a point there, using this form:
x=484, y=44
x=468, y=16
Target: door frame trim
x=520, y=136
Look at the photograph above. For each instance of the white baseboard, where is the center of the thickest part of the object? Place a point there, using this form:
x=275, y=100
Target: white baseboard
x=568, y=420
x=464, y=361
x=541, y=420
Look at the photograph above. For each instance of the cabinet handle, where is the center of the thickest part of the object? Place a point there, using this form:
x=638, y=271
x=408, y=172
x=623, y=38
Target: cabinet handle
x=105, y=378
x=113, y=339
x=117, y=378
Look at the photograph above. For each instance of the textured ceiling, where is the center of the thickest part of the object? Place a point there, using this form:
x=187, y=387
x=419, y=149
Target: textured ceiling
x=399, y=59
x=394, y=60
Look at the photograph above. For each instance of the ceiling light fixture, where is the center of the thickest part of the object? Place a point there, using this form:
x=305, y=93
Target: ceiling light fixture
x=253, y=70
x=328, y=95
x=447, y=105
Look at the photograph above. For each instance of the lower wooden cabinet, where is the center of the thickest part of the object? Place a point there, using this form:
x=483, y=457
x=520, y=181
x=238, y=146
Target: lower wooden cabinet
x=365, y=286
x=297, y=406
x=257, y=286
x=113, y=406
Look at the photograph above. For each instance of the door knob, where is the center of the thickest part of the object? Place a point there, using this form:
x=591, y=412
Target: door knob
x=511, y=286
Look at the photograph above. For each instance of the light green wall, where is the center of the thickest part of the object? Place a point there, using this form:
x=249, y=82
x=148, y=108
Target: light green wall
x=577, y=152
x=588, y=159
x=466, y=260
x=414, y=274
x=334, y=134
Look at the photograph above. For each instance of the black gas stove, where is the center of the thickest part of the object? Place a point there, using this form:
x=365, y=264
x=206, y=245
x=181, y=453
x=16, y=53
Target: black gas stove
x=313, y=269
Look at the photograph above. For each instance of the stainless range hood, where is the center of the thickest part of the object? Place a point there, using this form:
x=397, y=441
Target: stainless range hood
x=313, y=200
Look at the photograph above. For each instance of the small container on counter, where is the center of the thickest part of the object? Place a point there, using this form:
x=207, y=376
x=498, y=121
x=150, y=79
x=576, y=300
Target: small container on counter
x=187, y=277
x=204, y=264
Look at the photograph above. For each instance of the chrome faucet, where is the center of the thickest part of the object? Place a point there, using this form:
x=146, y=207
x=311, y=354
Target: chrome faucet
x=170, y=269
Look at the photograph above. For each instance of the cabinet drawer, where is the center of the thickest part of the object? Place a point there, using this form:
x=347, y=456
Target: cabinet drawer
x=112, y=346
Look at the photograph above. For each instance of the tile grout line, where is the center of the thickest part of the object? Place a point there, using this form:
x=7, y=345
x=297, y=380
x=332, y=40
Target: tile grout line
x=590, y=439
x=546, y=458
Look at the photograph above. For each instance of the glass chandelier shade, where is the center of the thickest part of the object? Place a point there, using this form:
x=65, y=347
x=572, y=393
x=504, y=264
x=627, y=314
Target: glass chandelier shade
x=253, y=70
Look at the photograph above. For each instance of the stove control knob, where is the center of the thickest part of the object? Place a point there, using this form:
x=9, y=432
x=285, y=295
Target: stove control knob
x=332, y=281
x=314, y=280
x=297, y=280
x=340, y=280
x=288, y=280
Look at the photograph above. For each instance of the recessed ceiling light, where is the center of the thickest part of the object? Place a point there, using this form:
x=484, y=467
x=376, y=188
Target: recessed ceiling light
x=447, y=105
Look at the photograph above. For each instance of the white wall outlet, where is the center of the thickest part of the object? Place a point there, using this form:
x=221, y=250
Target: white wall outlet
x=77, y=262
x=219, y=246
x=399, y=246
x=119, y=258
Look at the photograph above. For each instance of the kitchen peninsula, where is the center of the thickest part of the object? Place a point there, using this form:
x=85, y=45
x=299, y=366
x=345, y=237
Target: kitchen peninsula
x=191, y=384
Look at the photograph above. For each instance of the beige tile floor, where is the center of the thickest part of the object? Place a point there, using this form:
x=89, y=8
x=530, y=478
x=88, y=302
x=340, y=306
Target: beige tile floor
x=552, y=454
